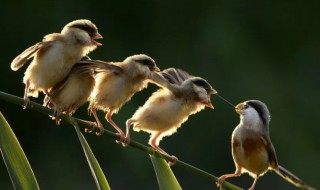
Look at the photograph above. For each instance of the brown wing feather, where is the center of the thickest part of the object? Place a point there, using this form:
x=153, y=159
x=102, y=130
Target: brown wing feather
x=171, y=79
x=175, y=76
x=101, y=66
x=77, y=68
x=271, y=151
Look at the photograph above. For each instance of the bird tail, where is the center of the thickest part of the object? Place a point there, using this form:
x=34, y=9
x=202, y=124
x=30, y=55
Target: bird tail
x=285, y=174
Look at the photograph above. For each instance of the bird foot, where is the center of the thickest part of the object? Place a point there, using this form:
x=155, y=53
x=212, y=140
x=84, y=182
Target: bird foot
x=93, y=125
x=173, y=160
x=124, y=140
x=101, y=131
x=26, y=103
x=220, y=181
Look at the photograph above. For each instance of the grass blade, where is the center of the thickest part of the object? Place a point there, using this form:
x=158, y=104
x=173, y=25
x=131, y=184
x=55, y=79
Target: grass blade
x=17, y=164
x=97, y=173
x=165, y=176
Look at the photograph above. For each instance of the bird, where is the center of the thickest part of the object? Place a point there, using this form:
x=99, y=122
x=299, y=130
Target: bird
x=180, y=95
x=116, y=83
x=252, y=149
x=72, y=92
x=55, y=55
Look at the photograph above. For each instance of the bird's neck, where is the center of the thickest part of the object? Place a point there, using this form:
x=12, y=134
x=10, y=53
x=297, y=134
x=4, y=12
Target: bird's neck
x=250, y=123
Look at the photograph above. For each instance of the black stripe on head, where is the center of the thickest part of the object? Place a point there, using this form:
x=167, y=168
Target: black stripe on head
x=147, y=61
x=262, y=110
x=85, y=25
x=203, y=83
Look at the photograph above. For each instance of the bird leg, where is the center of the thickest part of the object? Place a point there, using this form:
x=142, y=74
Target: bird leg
x=127, y=137
x=56, y=114
x=56, y=111
x=120, y=132
x=254, y=182
x=222, y=178
x=25, y=97
x=99, y=125
x=153, y=143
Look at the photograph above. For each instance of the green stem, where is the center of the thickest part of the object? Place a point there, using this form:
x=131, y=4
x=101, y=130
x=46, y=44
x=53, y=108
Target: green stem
x=71, y=120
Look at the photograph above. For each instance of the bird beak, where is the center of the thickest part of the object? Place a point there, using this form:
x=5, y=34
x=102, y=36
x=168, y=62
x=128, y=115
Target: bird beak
x=97, y=36
x=214, y=91
x=209, y=104
x=239, y=108
x=153, y=73
x=156, y=69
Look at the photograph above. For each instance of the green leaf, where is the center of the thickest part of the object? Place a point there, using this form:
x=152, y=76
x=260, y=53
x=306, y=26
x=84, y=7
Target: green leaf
x=97, y=173
x=17, y=164
x=165, y=176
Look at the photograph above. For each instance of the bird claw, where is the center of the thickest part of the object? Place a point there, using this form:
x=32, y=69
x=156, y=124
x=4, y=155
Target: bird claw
x=101, y=131
x=173, y=160
x=26, y=103
x=220, y=181
x=89, y=130
x=93, y=125
x=124, y=140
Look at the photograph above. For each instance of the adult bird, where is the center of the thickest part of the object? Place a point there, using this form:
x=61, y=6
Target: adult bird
x=252, y=149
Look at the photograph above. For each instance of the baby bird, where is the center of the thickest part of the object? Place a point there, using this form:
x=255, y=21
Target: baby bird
x=72, y=92
x=116, y=83
x=54, y=57
x=181, y=95
x=252, y=149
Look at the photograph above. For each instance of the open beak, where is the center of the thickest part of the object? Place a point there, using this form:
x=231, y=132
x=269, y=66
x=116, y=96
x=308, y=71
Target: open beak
x=97, y=36
x=209, y=104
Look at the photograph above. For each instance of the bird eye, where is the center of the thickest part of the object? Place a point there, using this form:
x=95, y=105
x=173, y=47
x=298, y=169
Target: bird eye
x=245, y=106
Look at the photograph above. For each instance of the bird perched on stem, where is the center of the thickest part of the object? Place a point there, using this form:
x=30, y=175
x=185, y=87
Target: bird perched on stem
x=72, y=92
x=116, y=83
x=54, y=57
x=180, y=96
x=252, y=149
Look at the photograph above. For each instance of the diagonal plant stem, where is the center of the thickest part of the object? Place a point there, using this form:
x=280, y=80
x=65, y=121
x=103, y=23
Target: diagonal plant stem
x=71, y=120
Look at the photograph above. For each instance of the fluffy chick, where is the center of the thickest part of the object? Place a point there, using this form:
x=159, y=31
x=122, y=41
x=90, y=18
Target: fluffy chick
x=72, y=92
x=116, y=83
x=54, y=57
x=163, y=113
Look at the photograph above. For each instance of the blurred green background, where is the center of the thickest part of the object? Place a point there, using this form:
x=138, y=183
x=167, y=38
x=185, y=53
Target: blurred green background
x=266, y=50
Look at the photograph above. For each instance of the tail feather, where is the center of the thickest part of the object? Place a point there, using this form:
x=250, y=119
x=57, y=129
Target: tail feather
x=285, y=174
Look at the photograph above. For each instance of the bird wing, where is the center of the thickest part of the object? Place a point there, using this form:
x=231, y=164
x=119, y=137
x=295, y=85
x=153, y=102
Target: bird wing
x=170, y=78
x=79, y=68
x=175, y=76
x=21, y=59
x=101, y=66
x=27, y=54
x=56, y=89
x=271, y=151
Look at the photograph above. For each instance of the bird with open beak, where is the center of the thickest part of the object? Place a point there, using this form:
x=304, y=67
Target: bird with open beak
x=180, y=96
x=54, y=57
